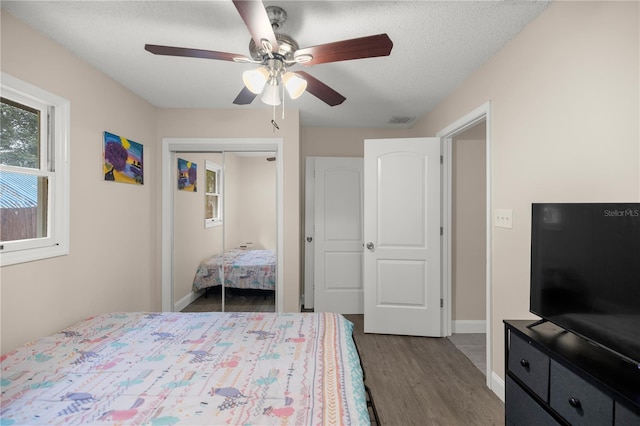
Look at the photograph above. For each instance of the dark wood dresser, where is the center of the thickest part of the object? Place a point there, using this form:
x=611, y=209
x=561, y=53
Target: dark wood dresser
x=554, y=377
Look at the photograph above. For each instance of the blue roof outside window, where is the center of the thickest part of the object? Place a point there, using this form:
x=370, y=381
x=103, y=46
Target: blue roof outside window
x=18, y=190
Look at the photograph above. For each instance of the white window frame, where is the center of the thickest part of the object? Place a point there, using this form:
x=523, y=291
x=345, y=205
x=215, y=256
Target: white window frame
x=54, y=163
x=216, y=168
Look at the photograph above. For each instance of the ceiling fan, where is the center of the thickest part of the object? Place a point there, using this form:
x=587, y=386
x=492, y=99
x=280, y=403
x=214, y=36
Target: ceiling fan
x=276, y=52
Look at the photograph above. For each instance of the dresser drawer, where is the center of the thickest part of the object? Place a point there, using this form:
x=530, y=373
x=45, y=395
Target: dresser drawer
x=624, y=416
x=529, y=365
x=522, y=410
x=576, y=400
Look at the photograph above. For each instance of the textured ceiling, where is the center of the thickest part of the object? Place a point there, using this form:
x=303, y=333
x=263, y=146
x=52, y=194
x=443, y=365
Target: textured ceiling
x=437, y=45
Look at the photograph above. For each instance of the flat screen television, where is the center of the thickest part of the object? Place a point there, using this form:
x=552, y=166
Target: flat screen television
x=585, y=272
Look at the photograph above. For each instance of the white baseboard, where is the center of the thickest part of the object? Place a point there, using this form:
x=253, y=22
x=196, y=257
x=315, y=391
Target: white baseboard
x=468, y=326
x=497, y=385
x=186, y=301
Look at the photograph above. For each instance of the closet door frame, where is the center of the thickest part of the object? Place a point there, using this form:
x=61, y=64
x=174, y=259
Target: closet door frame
x=171, y=145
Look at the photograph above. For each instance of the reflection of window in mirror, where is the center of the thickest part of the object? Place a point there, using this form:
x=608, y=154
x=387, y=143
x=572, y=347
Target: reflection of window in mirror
x=213, y=195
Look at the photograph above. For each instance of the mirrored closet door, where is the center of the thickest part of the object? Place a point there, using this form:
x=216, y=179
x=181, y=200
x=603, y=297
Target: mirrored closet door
x=225, y=231
x=250, y=232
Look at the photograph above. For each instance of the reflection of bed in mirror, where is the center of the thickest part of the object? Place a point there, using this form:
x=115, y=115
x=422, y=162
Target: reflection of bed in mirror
x=243, y=269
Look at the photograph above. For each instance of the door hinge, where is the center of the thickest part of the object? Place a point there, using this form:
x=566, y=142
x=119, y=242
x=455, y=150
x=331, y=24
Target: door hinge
x=441, y=231
x=441, y=159
x=441, y=303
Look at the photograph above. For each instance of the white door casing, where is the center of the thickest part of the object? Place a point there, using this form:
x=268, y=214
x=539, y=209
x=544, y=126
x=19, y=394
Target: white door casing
x=402, y=235
x=309, y=225
x=337, y=239
x=483, y=112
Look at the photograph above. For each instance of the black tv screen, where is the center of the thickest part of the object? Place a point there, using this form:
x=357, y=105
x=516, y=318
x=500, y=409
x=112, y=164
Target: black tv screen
x=585, y=271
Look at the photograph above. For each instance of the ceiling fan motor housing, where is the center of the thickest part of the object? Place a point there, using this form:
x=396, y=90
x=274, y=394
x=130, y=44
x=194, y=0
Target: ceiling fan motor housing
x=287, y=46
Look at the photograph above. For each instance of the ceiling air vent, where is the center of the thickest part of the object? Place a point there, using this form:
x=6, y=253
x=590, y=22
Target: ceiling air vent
x=401, y=120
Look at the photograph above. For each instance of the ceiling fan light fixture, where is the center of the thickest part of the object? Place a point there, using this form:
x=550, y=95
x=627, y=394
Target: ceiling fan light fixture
x=271, y=95
x=255, y=79
x=294, y=84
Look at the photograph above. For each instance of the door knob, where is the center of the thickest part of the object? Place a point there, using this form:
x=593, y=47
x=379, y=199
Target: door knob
x=309, y=239
x=370, y=246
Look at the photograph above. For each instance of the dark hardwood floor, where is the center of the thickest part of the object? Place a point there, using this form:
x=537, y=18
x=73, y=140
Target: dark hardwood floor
x=235, y=301
x=424, y=381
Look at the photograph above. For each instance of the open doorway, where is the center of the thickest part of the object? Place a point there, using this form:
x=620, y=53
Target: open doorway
x=468, y=248
x=481, y=114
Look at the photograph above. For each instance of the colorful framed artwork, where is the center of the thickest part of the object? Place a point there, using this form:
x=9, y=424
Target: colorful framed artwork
x=122, y=160
x=187, y=176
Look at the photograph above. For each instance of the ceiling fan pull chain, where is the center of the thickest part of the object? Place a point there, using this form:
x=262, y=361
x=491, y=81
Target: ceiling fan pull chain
x=273, y=120
x=283, y=97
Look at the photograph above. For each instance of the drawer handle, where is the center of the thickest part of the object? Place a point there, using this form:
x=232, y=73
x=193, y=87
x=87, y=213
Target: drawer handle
x=574, y=402
x=524, y=363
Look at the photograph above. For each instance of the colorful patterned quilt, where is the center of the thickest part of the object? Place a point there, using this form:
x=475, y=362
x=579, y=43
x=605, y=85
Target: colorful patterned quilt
x=188, y=368
x=254, y=269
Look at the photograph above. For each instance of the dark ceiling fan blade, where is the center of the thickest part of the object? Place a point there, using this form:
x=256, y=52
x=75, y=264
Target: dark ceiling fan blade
x=245, y=97
x=257, y=21
x=345, y=50
x=190, y=53
x=321, y=91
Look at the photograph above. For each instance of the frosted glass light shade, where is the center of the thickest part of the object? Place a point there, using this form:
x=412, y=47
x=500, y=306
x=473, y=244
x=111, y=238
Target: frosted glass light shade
x=271, y=95
x=295, y=84
x=255, y=79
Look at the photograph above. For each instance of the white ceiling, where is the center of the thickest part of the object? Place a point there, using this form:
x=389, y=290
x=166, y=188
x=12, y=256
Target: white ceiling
x=437, y=45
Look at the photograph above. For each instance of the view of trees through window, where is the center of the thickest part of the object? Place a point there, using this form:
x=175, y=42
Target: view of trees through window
x=19, y=137
x=23, y=205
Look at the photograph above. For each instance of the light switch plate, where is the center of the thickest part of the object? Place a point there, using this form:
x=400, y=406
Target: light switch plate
x=503, y=218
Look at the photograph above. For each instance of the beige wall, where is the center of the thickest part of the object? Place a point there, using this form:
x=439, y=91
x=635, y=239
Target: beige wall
x=564, y=127
x=112, y=263
x=329, y=142
x=468, y=257
x=255, y=211
x=232, y=199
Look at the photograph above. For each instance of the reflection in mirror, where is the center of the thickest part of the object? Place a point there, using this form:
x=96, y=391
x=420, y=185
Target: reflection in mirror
x=197, y=235
x=225, y=232
x=250, y=232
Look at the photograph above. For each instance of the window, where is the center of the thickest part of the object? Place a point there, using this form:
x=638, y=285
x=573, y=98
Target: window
x=213, y=195
x=34, y=173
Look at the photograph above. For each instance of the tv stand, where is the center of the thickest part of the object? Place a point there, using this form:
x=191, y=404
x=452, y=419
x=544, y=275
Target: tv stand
x=554, y=377
x=540, y=321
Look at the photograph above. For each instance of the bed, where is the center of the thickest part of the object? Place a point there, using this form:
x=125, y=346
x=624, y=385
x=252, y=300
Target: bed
x=189, y=368
x=243, y=269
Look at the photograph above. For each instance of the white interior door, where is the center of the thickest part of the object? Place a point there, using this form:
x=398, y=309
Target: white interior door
x=402, y=235
x=338, y=243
